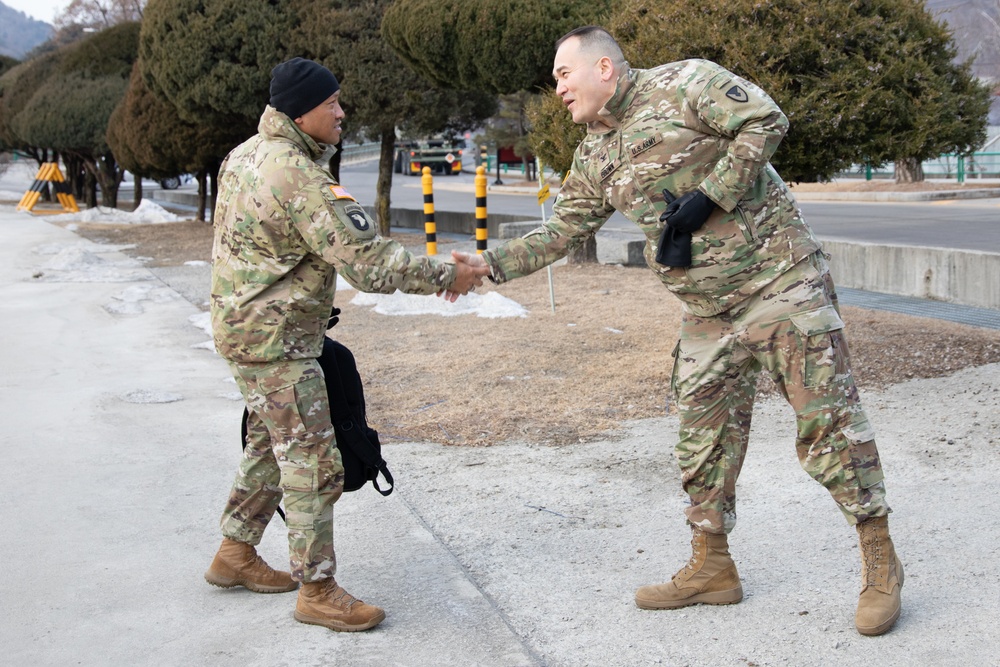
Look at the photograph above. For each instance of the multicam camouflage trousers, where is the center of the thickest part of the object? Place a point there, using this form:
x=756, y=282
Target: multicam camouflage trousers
x=290, y=450
x=792, y=329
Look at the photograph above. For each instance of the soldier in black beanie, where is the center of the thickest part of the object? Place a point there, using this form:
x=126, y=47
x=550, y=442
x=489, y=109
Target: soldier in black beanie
x=299, y=86
x=284, y=229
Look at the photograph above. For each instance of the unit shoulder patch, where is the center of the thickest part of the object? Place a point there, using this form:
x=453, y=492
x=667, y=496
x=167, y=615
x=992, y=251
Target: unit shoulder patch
x=359, y=219
x=737, y=94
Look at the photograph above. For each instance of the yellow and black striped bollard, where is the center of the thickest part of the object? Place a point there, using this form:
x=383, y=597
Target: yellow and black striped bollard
x=481, y=229
x=430, y=229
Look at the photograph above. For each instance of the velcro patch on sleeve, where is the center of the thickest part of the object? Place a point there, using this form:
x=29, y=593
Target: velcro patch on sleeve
x=341, y=193
x=357, y=221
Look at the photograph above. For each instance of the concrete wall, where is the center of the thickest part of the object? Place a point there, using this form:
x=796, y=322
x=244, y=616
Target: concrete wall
x=449, y=221
x=964, y=277
x=958, y=276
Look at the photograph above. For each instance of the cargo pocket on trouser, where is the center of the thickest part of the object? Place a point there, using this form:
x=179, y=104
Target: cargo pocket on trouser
x=860, y=492
x=305, y=450
x=823, y=348
x=860, y=456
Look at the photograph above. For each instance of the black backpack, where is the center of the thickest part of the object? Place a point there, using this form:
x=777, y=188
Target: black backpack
x=360, y=449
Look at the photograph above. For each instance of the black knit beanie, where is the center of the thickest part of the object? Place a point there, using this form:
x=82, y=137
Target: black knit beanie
x=299, y=86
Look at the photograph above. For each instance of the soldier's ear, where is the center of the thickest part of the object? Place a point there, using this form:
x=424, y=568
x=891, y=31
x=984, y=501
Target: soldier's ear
x=607, y=68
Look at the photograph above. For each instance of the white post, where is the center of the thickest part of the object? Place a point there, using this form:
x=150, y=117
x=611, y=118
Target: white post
x=543, y=194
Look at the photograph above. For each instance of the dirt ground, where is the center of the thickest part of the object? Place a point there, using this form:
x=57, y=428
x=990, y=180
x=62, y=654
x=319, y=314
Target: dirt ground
x=604, y=355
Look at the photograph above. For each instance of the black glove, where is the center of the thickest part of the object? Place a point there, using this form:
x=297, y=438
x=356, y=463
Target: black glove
x=333, y=318
x=683, y=216
x=688, y=213
x=675, y=248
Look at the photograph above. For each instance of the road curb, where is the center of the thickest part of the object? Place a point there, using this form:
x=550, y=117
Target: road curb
x=931, y=195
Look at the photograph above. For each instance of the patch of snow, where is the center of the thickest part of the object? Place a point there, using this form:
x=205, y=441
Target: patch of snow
x=490, y=305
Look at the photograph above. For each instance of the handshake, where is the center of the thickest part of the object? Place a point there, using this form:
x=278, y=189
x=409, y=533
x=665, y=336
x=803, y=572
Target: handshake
x=469, y=273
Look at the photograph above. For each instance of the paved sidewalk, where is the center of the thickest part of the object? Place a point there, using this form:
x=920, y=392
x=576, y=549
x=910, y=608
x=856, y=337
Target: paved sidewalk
x=121, y=432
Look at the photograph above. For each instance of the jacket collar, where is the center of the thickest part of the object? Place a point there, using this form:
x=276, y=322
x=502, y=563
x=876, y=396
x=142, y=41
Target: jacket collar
x=613, y=112
x=276, y=125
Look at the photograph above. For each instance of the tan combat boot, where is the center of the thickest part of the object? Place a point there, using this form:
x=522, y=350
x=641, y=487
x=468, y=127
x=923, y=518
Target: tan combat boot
x=881, y=578
x=326, y=603
x=237, y=564
x=710, y=577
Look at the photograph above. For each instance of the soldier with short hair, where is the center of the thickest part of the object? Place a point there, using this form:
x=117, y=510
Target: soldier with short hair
x=284, y=229
x=683, y=151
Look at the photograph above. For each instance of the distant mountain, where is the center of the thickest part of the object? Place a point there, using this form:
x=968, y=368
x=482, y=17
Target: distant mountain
x=19, y=33
x=975, y=25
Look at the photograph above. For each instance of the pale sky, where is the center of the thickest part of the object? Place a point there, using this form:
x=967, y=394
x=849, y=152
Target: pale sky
x=43, y=10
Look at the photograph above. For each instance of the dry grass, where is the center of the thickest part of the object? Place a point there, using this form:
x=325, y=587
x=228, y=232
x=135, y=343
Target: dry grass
x=602, y=357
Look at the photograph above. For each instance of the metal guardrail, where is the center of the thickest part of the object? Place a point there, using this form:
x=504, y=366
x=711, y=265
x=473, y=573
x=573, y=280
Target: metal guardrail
x=360, y=152
x=959, y=167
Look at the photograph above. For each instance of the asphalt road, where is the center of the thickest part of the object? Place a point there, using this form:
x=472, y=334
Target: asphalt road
x=972, y=224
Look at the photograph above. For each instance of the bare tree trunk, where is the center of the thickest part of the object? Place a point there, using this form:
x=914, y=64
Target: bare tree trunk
x=383, y=186
x=110, y=176
x=90, y=188
x=137, y=192
x=909, y=170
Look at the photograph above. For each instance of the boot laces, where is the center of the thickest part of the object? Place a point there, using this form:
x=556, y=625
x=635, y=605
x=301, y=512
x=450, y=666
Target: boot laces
x=338, y=596
x=259, y=566
x=692, y=565
x=871, y=554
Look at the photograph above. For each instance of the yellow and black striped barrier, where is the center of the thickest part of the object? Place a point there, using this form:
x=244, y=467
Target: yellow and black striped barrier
x=430, y=229
x=481, y=229
x=49, y=173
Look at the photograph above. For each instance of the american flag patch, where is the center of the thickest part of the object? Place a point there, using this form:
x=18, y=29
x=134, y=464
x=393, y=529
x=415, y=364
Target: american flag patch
x=341, y=193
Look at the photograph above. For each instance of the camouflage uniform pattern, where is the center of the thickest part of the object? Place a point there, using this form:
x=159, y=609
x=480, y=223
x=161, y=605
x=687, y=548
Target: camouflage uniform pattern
x=678, y=127
x=757, y=294
x=290, y=451
x=792, y=329
x=284, y=228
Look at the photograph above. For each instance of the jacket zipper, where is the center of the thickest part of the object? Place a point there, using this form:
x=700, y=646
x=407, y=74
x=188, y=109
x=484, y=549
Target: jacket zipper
x=749, y=228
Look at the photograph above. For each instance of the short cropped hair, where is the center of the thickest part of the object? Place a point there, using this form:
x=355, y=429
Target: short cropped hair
x=596, y=40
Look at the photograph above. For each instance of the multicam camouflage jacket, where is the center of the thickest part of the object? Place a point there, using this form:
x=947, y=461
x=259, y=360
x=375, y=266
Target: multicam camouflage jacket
x=283, y=229
x=680, y=126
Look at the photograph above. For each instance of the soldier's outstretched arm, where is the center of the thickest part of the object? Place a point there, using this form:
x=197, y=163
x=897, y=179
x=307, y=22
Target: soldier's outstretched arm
x=339, y=230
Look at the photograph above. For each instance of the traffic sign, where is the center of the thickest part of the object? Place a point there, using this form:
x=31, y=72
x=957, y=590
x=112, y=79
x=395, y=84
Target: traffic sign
x=543, y=194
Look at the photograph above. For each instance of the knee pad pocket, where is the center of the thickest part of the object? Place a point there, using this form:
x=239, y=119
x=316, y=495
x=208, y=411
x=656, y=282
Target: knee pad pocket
x=860, y=456
x=822, y=347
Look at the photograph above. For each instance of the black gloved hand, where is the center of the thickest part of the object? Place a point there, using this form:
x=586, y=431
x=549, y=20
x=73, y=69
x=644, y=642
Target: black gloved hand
x=689, y=212
x=683, y=216
x=675, y=248
x=333, y=318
